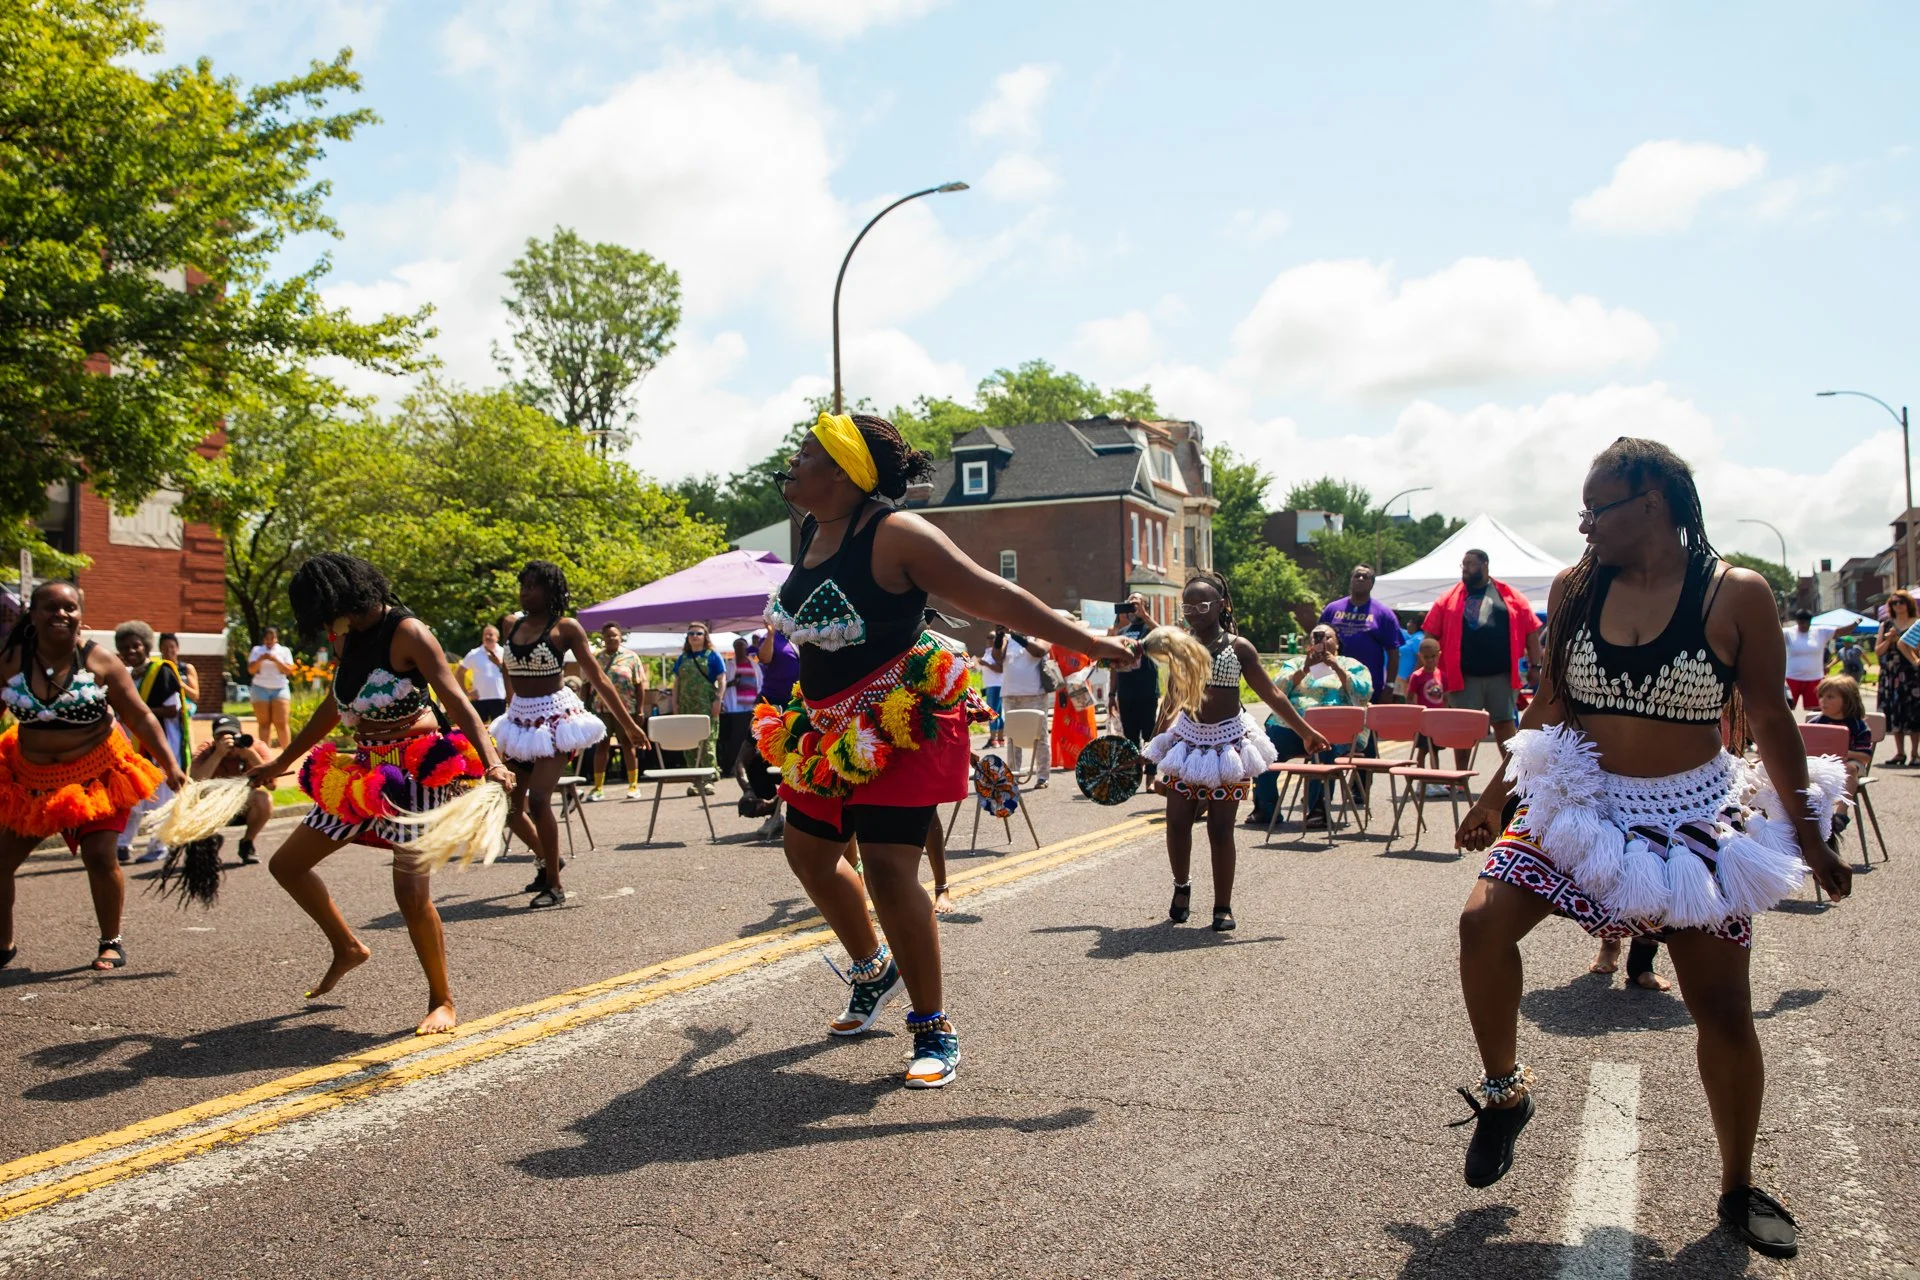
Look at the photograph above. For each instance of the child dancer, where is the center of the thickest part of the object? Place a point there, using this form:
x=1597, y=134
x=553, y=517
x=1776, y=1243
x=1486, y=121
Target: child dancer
x=1208, y=749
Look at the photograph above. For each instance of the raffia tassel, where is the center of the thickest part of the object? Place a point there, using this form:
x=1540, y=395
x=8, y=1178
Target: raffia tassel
x=199, y=810
x=1642, y=891
x=469, y=826
x=1754, y=876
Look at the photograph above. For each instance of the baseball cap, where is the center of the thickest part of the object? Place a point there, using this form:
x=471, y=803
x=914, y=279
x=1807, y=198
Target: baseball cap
x=226, y=724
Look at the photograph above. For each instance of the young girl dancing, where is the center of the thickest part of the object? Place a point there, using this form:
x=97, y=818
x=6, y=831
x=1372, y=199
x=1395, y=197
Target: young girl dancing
x=545, y=721
x=1208, y=749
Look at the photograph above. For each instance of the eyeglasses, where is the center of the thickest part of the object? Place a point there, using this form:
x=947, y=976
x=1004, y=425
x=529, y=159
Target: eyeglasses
x=1589, y=514
x=1205, y=606
x=696, y=633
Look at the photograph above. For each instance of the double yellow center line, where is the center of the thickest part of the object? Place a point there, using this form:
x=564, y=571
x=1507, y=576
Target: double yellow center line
x=123, y=1153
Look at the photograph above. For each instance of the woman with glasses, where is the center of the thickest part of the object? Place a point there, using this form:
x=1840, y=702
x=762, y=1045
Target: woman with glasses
x=1635, y=819
x=699, y=677
x=1899, y=686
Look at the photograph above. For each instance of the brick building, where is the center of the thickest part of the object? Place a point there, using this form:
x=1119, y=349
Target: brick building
x=1085, y=510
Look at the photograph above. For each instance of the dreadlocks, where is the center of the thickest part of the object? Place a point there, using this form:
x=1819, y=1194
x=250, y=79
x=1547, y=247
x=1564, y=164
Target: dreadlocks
x=332, y=584
x=897, y=463
x=1641, y=465
x=1218, y=583
x=552, y=580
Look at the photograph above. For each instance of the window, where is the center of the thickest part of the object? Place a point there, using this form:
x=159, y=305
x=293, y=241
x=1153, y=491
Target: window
x=1190, y=546
x=1159, y=545
x=973, y=479
x=1009, y=563
x=152, y=524
x=1133, y=519
x=1163, y=466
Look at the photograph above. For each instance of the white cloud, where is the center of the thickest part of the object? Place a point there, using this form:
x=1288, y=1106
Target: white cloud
x=838, y=19
x=1345, y=329
x=1660, y=186
x=1019, y=178
x=1012, y=110
x=1115, y=346
x=1257, y=226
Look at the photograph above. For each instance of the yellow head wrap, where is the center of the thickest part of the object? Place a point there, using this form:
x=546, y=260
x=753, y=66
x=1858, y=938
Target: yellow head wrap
x=848, y=448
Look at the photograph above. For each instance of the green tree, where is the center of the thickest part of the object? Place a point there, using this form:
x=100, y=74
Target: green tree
x=588, y=323
x=118, y=188
x=1368, y=534
x=1270, y=590
x=1034, y=392
x=459, y=489
x=1785, y=586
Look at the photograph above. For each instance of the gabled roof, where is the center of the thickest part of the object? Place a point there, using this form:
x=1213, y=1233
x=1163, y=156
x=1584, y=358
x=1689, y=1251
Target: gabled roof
x=1085, y=458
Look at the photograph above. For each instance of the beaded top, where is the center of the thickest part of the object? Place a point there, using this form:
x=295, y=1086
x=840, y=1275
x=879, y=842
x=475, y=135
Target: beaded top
x=81, y=704
x=1225, y=673
x=1675, y=677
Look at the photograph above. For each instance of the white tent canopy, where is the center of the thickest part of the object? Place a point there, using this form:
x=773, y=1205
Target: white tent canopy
x=1511, y=558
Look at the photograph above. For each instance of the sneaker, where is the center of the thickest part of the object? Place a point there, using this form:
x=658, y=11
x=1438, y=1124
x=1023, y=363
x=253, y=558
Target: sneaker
x=125, y=855
x=247, y=857
x=151, y=855
x=1760, y=1221
x=539, y=882
x=1437, y=791
x=866, y=1001
x=633, y=792
x=1490, y=1153
x=594, y=796
x=936, y=1053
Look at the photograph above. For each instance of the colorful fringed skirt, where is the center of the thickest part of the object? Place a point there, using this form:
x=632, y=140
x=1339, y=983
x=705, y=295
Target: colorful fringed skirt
x=899, y=737
x=97, y=792
x=1211, y=761
x=357, y=794
x=1629, y=857
x=545, y=726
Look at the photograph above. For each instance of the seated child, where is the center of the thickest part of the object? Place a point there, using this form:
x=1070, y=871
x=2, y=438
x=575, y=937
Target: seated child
x=1840, y=703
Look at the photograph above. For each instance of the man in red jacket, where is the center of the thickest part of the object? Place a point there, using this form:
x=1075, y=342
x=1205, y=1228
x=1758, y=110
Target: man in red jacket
x=1483, y=627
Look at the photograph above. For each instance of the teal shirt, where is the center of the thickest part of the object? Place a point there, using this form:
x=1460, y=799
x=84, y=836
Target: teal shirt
x=1323, y=689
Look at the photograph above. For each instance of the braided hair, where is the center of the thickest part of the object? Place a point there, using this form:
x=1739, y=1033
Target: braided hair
x=332, y=584
x=553, y=581
x=1218, y=583
x=898, y=463
x=1643, y=465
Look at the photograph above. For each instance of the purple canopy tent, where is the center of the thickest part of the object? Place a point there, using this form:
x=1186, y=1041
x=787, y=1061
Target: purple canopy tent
x=725, y=591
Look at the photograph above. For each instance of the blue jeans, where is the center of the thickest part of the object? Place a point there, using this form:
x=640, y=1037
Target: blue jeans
x=1266, y=787
x=992, y=695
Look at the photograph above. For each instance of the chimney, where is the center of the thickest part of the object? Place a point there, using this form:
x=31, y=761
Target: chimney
x=919, y=494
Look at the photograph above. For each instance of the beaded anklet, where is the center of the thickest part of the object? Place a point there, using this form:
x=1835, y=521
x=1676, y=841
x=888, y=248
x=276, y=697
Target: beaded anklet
x=1500, y=1090
x=870, y=969
x=926, y=1021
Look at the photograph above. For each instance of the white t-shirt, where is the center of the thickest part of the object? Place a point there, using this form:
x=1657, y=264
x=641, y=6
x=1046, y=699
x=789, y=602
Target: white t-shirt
x=1807, y=652
x=269, y=676
x=1022, y=676
x=489, y=682
x=989, y=678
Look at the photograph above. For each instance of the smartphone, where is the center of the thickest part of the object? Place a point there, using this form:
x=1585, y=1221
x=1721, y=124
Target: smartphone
x=1123, y=610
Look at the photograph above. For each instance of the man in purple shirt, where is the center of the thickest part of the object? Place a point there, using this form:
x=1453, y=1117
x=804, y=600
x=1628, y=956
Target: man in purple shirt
x=1368, y=630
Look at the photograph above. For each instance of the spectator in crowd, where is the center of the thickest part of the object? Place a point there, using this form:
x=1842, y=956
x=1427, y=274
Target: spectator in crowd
x=1853, y=659
x=1020, y=690
x=1806, y=660
x=1841, y=704
x=1484, y=628
x=1410, y=659
x=1135, y=697
x=269, y=673
x=230, y=753
x=486, y=683
x=1425, y=688
x=699, y=676
x=1368, y=630
x=1899, y=678
x=779, y=668
x=189, y=678
x=990, y=659
x=158, y=683
x=628, y=676
x=1320, y=677
x=1073, y=724
x=736, y=707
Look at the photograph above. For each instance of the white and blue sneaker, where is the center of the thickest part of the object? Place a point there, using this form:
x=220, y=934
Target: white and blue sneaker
x=869, y=996
x=936, y=1051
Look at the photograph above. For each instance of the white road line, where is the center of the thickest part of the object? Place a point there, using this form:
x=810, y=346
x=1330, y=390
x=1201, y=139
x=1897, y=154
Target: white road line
x=1598, y=1231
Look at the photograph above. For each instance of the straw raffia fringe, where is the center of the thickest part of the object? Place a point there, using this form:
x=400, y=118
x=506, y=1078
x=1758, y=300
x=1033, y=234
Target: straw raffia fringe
x=198, y=810
x=472, y=825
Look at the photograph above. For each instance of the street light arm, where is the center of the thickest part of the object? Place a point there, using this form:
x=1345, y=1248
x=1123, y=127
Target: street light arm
x=842, y=277
x=1891, y=411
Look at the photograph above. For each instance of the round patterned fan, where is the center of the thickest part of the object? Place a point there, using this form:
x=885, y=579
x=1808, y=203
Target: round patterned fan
x=1108, y=770
x=993, y=783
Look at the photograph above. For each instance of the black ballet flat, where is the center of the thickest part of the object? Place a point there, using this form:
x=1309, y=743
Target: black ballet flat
x=1179, y=911
x=1223, y=921
x=6, y=957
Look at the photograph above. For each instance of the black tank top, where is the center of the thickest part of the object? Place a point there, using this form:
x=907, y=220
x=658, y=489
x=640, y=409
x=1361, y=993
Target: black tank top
x=1675, y=677
x=362, y=654
x=845, y=624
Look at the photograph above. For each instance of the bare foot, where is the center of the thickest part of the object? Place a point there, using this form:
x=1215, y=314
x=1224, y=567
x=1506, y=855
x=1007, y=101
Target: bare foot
x=344, y=962
x=1653, y=981
x=440, y=1020
x=942, y=904
x=1608, y=961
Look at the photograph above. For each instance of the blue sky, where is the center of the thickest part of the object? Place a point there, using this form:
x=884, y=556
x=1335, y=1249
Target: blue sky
x=1460, y=245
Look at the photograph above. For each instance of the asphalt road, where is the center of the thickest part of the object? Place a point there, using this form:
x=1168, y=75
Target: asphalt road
x=1135, y=1099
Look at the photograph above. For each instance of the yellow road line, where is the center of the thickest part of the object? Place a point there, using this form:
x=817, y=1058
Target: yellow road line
x=574, y=1008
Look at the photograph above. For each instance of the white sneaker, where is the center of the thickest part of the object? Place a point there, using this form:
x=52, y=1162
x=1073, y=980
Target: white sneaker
x=1436, y=791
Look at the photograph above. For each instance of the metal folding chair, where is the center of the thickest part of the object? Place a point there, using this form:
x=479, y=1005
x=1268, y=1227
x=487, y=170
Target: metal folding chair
x=679, y=733
x=1447, y=728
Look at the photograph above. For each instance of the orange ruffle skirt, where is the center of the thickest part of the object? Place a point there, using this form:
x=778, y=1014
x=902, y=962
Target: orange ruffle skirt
x=42, y=799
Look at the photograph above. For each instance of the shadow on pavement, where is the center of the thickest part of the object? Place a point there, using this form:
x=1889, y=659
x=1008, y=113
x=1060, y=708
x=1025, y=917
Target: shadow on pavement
x=20, y=974
x=501, y=904
x=783, y=912
x=1590, y=1005
x=1472, y=1246
x=266, y=1044
x=683, y=1115
x=1158, y=939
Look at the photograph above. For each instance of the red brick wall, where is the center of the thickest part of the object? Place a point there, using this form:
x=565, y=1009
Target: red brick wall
x=1066, y=553
x=169, y=590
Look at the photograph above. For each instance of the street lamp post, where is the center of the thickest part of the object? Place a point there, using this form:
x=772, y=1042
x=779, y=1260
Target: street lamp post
x=1906, y=458
x=1783, y=549
x=842, y=277
x=1424, y=488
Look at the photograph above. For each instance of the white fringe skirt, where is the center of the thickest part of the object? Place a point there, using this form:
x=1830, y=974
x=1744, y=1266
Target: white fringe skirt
x=1694, y=850
x=543, y=727
x=1212, y=755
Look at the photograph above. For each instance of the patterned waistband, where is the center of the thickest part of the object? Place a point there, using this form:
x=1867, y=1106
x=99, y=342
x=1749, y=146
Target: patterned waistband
x=1224, y=733
x=831, y=715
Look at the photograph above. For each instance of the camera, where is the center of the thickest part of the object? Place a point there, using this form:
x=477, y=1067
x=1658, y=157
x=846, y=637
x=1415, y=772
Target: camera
x=241, y=741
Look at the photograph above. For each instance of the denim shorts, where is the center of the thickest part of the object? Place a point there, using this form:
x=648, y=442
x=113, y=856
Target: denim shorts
x=256, y=694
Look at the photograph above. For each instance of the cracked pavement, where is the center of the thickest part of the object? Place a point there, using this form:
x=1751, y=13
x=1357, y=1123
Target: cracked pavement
x=1135, y=1099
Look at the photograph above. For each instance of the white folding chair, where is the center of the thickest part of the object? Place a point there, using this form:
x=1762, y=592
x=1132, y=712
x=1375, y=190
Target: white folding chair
x=679, y=733
x=1027, y=731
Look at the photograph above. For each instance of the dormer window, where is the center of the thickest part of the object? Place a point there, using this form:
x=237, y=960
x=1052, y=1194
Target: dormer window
x=973, y=479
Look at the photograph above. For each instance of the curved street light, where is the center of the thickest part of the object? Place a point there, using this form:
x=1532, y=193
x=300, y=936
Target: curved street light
x=1423, y=488
x=1906, y=458
x=1783, y=548
x=841, y=278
